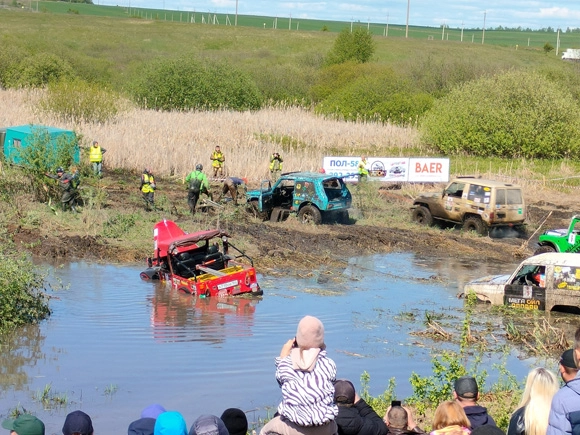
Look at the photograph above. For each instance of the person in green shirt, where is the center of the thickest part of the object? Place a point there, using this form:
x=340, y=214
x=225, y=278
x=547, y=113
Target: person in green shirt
x=197, y=184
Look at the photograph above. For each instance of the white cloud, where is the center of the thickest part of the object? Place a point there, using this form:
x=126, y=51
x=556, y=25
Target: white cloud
x=223, y=3
x=556, y=12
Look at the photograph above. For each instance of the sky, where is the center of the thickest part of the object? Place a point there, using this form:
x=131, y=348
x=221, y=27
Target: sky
x=434, y=13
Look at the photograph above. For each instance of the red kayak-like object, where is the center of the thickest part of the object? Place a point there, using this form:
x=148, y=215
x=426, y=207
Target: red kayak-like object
x=200, y=263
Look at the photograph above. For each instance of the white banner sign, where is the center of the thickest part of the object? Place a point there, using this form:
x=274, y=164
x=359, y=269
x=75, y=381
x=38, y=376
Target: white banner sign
x=398, y=169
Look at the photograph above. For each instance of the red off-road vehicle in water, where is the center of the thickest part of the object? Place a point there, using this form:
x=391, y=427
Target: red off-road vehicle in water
x=196, y=263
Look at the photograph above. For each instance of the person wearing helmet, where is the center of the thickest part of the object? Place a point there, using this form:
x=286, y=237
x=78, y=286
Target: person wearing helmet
x=68, y=184
x=197, y=184
x=148, y=189
x=217, y=162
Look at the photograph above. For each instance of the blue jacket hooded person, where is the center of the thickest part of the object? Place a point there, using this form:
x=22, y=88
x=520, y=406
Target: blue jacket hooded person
x=565, y=402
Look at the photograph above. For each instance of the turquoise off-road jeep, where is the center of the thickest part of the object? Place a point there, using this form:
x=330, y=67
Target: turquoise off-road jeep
x=312, y=196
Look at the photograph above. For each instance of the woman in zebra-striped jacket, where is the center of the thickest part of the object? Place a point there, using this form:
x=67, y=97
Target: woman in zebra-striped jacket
x=306, y=376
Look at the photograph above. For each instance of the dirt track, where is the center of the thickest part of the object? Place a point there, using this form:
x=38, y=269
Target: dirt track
x=289, y=244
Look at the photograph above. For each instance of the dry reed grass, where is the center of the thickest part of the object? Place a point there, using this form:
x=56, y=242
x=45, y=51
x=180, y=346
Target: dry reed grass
x=173, y=143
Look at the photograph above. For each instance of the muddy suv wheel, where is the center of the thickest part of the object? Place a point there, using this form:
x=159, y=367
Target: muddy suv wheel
x=310, y=215
x=544, y=249
x=254, y=210
x=422, y=216
x=473, y=223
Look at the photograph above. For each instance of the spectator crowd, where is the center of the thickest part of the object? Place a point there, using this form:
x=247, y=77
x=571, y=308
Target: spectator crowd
x=314, y=402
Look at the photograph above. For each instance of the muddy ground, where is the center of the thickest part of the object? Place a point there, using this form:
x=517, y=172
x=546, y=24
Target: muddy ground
x=289, y=244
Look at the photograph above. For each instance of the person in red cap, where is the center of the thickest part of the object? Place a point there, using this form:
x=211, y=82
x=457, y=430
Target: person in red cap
x=306, y=376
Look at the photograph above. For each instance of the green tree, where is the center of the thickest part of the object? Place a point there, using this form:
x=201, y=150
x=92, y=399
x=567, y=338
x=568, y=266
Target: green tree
x=357, y=46
x=548, y=47
x=515, y=114
x=22, y=296
x=187, y=84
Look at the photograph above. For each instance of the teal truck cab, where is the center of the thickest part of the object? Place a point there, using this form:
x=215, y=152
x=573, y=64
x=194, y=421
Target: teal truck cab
x=312, y=196
x=13, y=140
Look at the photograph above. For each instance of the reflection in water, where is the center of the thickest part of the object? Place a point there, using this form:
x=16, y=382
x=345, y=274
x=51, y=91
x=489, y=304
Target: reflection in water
x=21, y=350
x=177, y=316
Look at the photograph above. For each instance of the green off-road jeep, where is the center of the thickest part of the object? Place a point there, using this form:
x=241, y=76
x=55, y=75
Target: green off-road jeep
x=563, y=240
x=312, y=196
x=475, y=204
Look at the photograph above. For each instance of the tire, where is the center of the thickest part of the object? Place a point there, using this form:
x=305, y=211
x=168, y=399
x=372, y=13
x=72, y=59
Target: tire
x=252, y=208
x=309, y=214
x=343, y=218
x=473, y=223
x=544, y=249
x=423, y=216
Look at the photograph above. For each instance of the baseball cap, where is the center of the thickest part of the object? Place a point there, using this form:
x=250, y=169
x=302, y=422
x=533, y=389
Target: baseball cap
x=77, y=422
x=466, y=387
x=567, y=359
x=25, y=424
x=344, y=391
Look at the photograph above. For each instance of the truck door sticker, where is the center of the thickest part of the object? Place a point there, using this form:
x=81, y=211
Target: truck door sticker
x=567, y=278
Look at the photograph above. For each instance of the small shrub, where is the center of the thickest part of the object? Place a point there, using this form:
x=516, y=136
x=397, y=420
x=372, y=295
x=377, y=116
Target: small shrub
x=357, y=46
x=42, y=155
x=78, y=101
x=186, y=84
x=548, y=47
x=382, y=96
x=118, y=225
x=37, y=70
x=512, y=115
x=22, y=299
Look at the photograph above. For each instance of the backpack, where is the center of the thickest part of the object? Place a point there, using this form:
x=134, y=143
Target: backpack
x=195, y=185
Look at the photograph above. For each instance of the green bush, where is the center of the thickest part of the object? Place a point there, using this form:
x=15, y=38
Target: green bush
x=438, y=75
x=78, y=101
x=43, y=155
x=22, y=297
x=514, y=114
x=10, y=57
x=186, y=84
x=357, y=46
x=289, y=84
x=381, y=96
x=337, y=76
x=37, y=70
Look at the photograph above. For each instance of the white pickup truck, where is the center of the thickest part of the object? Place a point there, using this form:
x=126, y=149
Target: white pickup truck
x=548, y=282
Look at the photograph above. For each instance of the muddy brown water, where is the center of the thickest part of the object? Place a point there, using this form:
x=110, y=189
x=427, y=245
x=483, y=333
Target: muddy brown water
x=116, y=344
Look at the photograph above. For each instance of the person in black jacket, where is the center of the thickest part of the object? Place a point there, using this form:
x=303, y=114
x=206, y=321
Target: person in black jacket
x=466, y=393
x=355, y=416
x=400, y=421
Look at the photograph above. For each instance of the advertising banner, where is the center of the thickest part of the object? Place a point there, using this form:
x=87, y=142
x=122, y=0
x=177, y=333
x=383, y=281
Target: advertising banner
x=392, y=169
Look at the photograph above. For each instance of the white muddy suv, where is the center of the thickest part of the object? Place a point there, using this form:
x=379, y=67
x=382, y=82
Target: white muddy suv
x=476, y=204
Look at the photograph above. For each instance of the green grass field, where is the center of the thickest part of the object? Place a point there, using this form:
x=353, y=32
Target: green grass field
x=522, y=39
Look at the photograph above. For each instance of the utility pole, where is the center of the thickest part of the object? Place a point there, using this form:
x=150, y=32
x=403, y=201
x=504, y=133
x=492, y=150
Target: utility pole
x=387, y=30
x=236, y=19
x=462, y=31
x=483, y=34
x=407, y=25
x=443, y=32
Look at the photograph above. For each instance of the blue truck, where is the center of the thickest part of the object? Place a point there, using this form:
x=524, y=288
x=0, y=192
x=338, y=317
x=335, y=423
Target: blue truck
x=15, y=140
x=313, y=197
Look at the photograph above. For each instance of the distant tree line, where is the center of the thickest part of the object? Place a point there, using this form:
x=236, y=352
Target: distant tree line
x=88, y=2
